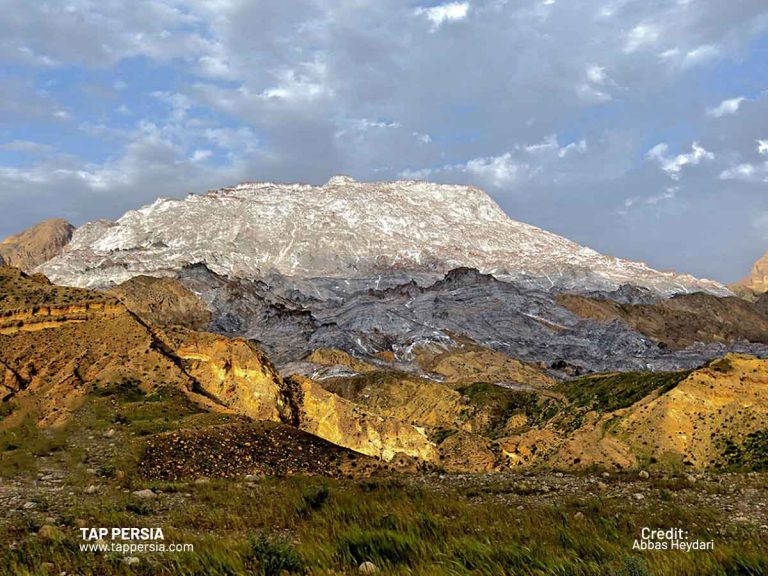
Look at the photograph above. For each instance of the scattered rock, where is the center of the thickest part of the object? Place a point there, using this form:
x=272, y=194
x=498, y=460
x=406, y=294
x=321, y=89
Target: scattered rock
x=29, y=505
x=145, y=494
x=109, y=433
x=643, y=475
x=367, y=568
x=131, y=560
x=638, y=496
x=92, y=489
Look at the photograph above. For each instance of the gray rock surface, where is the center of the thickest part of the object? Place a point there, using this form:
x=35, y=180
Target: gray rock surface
x=523, y=323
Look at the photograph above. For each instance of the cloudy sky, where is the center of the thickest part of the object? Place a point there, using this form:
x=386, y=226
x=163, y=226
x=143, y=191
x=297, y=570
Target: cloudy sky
x=637, y=127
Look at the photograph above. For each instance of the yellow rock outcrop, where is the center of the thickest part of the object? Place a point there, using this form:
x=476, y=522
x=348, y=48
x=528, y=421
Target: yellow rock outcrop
x=234, y=372
x=344, y=423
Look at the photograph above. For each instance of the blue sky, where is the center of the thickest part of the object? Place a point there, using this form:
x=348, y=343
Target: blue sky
x=637, y=127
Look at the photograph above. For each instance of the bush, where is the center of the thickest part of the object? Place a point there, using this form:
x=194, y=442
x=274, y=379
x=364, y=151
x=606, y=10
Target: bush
x=313, y=499
x=271, y=557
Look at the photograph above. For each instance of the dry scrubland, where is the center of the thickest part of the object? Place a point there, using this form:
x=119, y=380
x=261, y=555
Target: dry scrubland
x=542, y=522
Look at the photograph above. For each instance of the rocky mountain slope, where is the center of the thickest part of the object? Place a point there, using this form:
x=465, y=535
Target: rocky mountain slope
x=59, y=345
x=344, y=229
x=757, y=280
x=290, y=319
x=37, y=244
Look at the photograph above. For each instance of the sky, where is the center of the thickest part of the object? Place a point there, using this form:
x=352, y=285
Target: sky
x=636, y=127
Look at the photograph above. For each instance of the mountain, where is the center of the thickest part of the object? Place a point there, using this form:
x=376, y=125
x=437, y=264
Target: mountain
x=757, y=281
x=197, y=403
x=37, y=244
x=344, y=229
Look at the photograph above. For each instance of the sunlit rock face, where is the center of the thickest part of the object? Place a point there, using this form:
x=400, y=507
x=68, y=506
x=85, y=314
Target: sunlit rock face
x=344, y=229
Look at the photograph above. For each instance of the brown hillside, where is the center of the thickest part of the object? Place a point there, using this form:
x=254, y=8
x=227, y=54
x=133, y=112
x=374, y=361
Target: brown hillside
x=682, y=320
x=36, y=245
x=163, y=301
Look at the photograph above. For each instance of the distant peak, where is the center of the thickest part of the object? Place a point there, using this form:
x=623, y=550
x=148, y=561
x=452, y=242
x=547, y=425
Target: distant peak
x=340, y=180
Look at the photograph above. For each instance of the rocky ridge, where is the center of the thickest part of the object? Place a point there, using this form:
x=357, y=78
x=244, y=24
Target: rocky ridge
x=292, y=319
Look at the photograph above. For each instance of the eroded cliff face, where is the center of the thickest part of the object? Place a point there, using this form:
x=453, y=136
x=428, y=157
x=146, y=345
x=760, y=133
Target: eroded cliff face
x=163, y=301
x=42, y=317
x=344, y=423
x=232, y=372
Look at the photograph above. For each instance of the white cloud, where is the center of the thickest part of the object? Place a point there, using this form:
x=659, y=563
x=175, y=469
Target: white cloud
x=726, y=107
x=673, y=165
x=596, y=74
x=450, y=12
x=747, y=172
x=548, y=144
x=700, y=55
x=200, y=155
x=498, y=170
x=522, y=163
x=551, y=144
x=636, y=202
x=580, y=147
x=639, y=37
x=593, y=87
x=308, y=83
x=762, y=147
x=682, y=59
x=361, y=126
x=215, y=67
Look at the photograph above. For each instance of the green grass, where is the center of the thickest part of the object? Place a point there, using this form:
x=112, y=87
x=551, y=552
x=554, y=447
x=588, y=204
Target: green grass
x=402, y=528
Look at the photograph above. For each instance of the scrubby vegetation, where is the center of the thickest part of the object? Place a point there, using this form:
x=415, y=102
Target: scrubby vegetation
x=605, y=393
x=752, y=454
x=504, y=403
